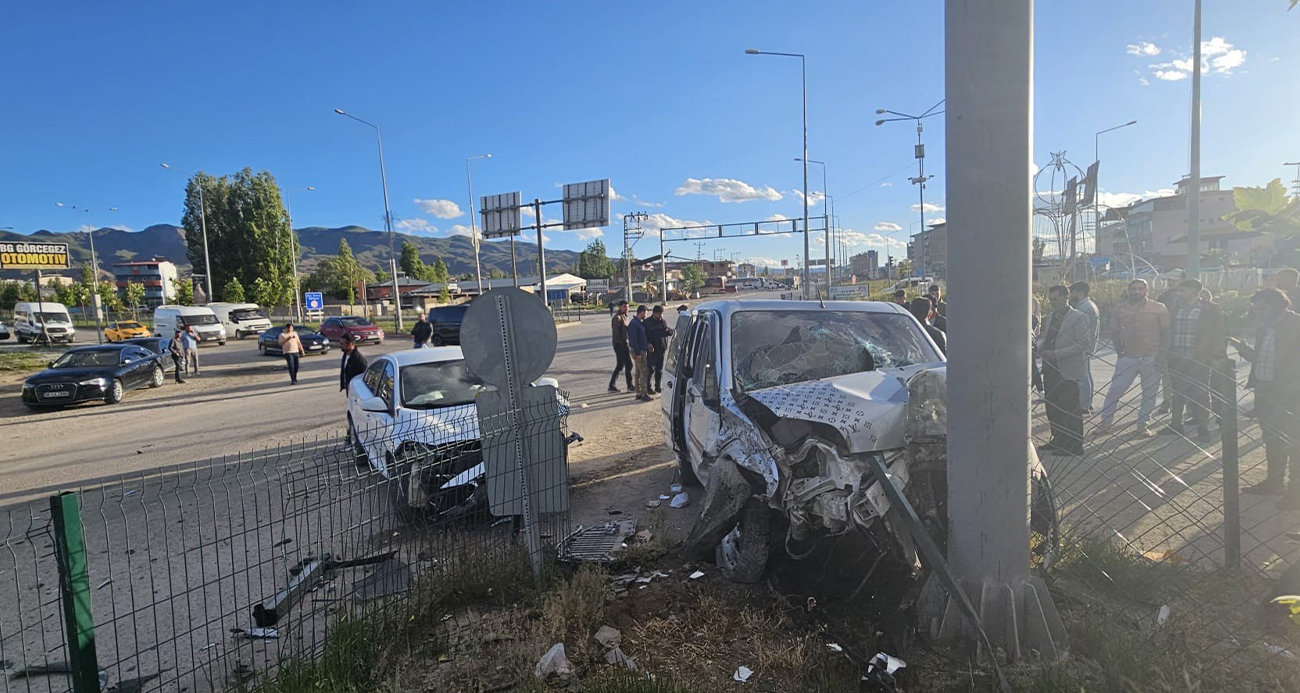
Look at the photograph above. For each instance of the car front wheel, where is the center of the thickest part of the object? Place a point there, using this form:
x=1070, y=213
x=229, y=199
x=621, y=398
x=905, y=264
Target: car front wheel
x=158, y=377
x=261, y=348
x=114, y=394
x=742, y=554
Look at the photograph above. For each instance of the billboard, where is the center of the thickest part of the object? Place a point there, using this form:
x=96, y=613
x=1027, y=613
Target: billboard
x=33, y=256
x=586, y=204
x=501, y=215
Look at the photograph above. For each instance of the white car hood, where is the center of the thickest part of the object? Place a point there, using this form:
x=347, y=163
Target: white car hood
x=869, y=409
x=437, y=426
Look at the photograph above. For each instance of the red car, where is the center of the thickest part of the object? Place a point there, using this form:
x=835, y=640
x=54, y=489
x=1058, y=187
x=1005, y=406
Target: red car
x=359, y=329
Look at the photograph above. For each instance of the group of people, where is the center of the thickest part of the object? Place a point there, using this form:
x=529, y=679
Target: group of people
x=931, y=310
x=184, y=350
x=640, y=343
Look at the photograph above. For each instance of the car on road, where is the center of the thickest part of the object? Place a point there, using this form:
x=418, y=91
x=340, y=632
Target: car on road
x=4, y=331
x=35, y=321
x=445, y=321
x=156, y=345
x=781, y=409
x=359, y=329
x=123, y=330
x=313, y=342
x=167, y=319
x=93, y=373
x=411, y=415
x=241, y=319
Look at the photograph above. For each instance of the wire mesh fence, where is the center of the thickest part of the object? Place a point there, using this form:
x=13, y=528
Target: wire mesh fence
x=212, y=576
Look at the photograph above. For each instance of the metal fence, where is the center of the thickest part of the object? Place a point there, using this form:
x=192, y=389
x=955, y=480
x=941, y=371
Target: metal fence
x=211, y=576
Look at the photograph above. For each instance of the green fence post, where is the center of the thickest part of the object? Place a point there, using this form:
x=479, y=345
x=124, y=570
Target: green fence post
x=74, y=588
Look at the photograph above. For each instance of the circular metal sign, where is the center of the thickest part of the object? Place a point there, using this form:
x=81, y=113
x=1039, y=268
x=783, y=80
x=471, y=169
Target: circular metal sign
x=508, y=321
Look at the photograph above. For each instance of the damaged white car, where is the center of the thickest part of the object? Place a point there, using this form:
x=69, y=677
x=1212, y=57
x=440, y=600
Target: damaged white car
x=776, y=407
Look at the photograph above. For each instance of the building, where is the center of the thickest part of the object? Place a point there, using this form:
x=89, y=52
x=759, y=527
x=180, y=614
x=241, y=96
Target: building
x=746, y=269
x=928, y=252
x=865, y=265
x=157, y=275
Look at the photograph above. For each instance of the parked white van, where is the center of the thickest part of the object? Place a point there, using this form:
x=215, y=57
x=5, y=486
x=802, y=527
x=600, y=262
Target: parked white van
x=205, y=323
x=241, y=319
x=28, y=317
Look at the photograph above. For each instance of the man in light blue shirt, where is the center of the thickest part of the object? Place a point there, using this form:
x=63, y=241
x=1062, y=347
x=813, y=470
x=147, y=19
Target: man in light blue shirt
x=1079, y=301
x=190, y=345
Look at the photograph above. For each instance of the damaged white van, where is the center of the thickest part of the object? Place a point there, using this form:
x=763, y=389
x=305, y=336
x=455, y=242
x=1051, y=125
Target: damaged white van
x=777, y=407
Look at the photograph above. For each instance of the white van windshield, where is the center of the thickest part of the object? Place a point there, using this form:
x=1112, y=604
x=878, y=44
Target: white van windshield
x=54, y=318
x=196, y=319
x=246, y=314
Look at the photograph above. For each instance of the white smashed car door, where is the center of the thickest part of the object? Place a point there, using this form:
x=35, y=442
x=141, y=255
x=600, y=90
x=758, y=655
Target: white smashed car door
x=672, y=361
x=702, y=393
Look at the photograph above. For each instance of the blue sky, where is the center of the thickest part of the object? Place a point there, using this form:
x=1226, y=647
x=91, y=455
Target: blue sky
x=651, y=95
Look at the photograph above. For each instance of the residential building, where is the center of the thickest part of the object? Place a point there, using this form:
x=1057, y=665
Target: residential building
x=865, y=265
x=157, y=275
x=746, y=269
x=1157, y=228
x=928, y=252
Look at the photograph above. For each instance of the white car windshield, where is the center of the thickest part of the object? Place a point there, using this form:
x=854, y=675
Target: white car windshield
x=772, y=348
x=434, y=385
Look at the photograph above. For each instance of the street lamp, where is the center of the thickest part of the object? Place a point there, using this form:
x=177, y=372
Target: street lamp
x=388, y=214
x=473, y=227
x=94, y=271
x=826, y=201
x=1096, y=195
x=803, y=70
x=203, y=222
x=919, y=151
x=293, y=249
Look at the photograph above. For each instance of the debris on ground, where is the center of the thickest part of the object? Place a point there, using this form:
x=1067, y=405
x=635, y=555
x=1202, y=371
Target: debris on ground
x=680, y=500
x=622, y=583
x=697, y=575
x=653, y=503
x=1163, y=615
x=608, y=637
x=598, y=543
x=742, y=674
x=616, y=656
x=553, y=662
x=880, y=673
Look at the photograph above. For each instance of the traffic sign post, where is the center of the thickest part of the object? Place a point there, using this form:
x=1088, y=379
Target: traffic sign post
x=314, y=301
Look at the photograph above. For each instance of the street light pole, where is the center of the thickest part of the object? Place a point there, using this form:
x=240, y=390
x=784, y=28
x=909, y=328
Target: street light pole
x=203, y=223
x=388, y=216
x=826, y=201
x=1096, y=195
x=293, y=248
x=1194, y=194
x=473, y=227
x=803, y=71
x=919, y=153
x=94, y=273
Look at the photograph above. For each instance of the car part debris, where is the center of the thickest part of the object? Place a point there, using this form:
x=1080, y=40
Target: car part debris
x=834, y=647
x=653, y=503
x=608, y=637
x=697, y=575
x=257, y=633
x=1162, y=616
x=880, y=673
x=309, y=573
x=598, y=543
x=742, y=674
x=680, y=500
x=616, y=656
x=554, y=662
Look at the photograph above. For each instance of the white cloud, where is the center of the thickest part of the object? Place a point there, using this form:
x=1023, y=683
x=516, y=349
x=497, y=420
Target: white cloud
x=929, y=207
x=814, y=197
x=886, y=185
x=643, y=203
x=1218, y=57
x=887, y=226
x=654, y=223
x=528, y=212
x=932, y=222
x=416, y=225
x=459, y=230
x=857, y=239
x=761, y=261
x=86, y=228
x=1171, y=75
x=1109, y=199
x=727, y=190
x=1143, y=48
x=1144, y=82
x=443, y=209
x=777, y=217
x=614, y=196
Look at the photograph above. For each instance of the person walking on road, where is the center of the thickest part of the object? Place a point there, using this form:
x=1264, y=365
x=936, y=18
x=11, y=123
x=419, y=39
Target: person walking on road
x=923, y=309
x=352, y=364
x=940, y=319
x=1140, y=332
x=1275, y=376
x=190, y=347
x=657, y=333
x=291, y=347
x=640, y=347
x=618, y=324
x=1079, y=301
x=177, y=352
x=1198, y=336
x=421, y=332
x=1063, y=345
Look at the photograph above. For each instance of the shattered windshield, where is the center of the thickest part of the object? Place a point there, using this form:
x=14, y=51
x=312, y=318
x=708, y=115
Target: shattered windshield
x=772, y=348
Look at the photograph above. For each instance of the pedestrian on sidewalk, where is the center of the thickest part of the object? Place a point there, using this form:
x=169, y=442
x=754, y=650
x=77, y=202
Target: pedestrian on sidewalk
x=622, y=355
x=1198, y=336
x=352, y=364
x=640, y=347
x=421, y=332
x=177, y=352
x=1079, y=301
x=923, y=309
x=1275, y=376
x=940, y=319
x=657, y=333
x=190, y=347
x=291, y=347
x=1140, y=332
x=1063, y=345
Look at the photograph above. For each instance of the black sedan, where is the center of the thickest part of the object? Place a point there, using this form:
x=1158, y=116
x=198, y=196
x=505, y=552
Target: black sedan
x=156, y=345
x=93, y=373
x=312, y=342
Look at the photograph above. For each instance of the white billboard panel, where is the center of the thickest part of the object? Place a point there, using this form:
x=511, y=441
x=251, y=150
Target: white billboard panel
x=586, y=204
x=501, y=215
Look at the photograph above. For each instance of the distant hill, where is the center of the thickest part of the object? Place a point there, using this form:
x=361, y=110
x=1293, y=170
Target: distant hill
x=370, y=247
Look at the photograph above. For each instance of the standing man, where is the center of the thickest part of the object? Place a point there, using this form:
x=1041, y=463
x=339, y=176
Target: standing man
x=353, y=363
x=922, y=309
x=900, y=297
x=1140, y=331
x=640, y=347
x=657, y=333
x=940, y=318
x=1063, y=345
x=190, y=343
x=1079, y=301
x=291, y=347
x=1275, y=376
x=1198, y=336
x=421, y=332
x=178, y=354
x=618, y=324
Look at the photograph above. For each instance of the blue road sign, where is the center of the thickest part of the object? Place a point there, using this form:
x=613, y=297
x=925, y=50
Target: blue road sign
x=314, y=300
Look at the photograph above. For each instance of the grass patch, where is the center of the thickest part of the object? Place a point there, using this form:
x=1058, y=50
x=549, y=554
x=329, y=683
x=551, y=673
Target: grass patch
x=26, y=360
x=1117, y=570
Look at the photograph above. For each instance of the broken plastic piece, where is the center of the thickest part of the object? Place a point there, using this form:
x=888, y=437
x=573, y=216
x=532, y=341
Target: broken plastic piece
x=742, y=674
x=260, y=634
x=697, y=575
x=616, y=656
x=653, y=503
x=553, y=662
x=1163, y=615
x=834, y=647
x=680, y=500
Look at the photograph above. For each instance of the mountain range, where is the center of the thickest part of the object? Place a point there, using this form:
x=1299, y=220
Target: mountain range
x=368, y=245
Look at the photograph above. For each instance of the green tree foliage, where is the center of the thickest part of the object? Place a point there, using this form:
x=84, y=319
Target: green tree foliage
x=87, y=274
x=233, y=291
x=134, y=296
x=495, y=273
x=594, y=263
x=263, y=292
x=108, y=298
x=184, y=287
x=248, y=234
x=12, y=292
x=692, y=277
x=438, y=273
x=63, y=294
x=382, y=276
x=411, y=263
x=338, y=276
x=78, y=295
x=1268, y=210
x=444, y=294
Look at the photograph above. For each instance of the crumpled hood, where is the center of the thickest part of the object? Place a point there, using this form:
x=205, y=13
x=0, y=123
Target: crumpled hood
x=869, y=409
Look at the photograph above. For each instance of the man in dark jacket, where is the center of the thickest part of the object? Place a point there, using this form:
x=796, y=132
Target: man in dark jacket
x=923, y=309
x=657, y=333
x=618, y=326
x=421, y=332
x=639, y=345
x=353, y=363
x=1275, y=376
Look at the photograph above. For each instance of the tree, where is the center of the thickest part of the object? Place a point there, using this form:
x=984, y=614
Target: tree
x=233, y=292
x=411, y=263
x=109, y=299
x=495, y=273
x=594, y=263
x=184, y=291
x=338, y=276
x=438, y=273
x=1266, y=210
x=692, y=277
x=134, y=297
x=263, y=292
x=382, y=277
x=444, y=294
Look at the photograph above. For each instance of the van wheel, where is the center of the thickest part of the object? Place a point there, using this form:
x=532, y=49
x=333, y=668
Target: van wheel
x=114, y=394
x=22, y=339
x=240, y=335
x=222, y=343
x=158, y=377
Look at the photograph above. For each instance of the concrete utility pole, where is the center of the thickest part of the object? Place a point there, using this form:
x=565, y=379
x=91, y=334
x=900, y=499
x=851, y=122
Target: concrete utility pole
x=1194, y=176
x=989, y=73
x=632, y=229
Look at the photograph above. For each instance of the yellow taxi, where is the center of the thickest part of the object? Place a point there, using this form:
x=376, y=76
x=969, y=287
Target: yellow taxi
x=124, y=329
